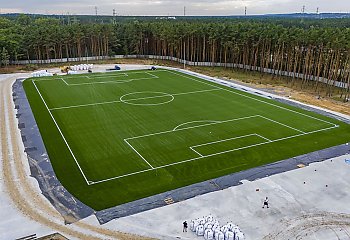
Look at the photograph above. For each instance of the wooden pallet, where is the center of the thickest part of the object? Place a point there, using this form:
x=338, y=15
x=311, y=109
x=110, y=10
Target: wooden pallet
x=169, y=200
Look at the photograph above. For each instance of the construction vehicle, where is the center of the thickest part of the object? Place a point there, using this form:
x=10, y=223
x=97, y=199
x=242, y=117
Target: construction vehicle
x=65, y=69
x=116, y=68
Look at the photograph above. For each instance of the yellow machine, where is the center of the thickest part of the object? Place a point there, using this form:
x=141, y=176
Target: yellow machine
x=65, y=69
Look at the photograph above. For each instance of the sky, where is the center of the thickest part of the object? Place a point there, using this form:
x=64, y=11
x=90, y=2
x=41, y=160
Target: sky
x=171, y=7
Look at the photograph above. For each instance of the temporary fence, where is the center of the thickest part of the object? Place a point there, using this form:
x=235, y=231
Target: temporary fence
x=340, y=84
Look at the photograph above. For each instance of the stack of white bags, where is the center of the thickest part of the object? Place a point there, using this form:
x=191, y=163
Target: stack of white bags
x=41, y=73
x=72, y=72
x=210, y=229
x=82, y=67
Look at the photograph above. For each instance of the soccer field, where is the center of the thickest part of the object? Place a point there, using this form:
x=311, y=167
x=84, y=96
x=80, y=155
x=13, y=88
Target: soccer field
x=120, y=136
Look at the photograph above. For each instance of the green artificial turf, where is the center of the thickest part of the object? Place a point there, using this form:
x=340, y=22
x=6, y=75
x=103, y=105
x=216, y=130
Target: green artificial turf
x=121, y=136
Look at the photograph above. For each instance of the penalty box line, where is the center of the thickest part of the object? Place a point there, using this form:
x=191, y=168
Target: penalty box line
x=138, y=154
x=199, y=126
x=74, y=76
x=98, y=75
x=200, y=157
x=88, y=77
x=118, y=81
x=213, y=123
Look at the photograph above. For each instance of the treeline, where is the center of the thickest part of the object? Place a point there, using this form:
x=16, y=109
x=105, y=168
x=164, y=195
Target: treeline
x=47, y=38
x=319, y=49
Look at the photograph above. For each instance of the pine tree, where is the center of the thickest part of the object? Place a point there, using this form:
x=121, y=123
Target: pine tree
x=5, y=57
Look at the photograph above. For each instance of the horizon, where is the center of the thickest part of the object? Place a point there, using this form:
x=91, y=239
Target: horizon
x=234, y=15
x=174, y=8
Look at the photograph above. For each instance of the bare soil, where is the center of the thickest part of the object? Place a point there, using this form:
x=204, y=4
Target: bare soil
x=277, y=85
x=280, y=86
x=303, y=226
x=18, y=185
x=15, y=165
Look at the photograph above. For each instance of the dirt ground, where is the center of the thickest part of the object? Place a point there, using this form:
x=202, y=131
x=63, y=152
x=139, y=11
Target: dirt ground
x=29, y=201
x=279, y=86
x=265, y=82
x=304, y=97
x=19, y=187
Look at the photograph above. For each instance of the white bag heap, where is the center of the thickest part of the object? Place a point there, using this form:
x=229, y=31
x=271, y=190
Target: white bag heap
x=81, y=67
x=41, y=73
x=210, y=229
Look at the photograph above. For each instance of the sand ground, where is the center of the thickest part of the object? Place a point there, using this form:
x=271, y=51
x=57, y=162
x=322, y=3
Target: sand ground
x=307, y=203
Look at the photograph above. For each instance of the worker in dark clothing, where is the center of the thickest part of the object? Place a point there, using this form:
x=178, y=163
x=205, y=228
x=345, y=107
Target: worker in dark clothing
x=266, y=203
x=185, y=226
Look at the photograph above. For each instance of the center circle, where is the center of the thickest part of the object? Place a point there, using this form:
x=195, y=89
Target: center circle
x=146, y=98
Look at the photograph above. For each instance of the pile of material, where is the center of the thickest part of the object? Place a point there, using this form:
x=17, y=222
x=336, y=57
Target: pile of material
x=209, y=228
x=72, y=72
x=82, y=67
x=41, y=73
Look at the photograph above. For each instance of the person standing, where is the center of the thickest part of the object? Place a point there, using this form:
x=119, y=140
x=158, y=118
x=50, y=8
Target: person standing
x=184, y=226
x=266, y=203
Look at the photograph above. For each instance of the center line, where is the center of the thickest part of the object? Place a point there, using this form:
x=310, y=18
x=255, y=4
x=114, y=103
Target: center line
x=133, y=99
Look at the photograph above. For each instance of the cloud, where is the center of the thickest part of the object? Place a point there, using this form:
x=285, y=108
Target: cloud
x=168, y=7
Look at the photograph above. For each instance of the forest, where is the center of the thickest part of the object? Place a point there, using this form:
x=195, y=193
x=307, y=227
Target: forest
x=312, y=47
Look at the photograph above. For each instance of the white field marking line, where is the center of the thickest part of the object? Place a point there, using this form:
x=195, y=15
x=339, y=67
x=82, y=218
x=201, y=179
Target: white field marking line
x=197, y=158
x=147, y=104
x=181, y=129
x=271, y=141
x=96, y=74
x=64, y=139
x=196, y=151
x=199, y=121
x=84, y=105
x=225, y=140
x=201, y=156
x=121, y=74
x=64, y=81
x=138, y=153
x=114, y=82
x=263, y=137
x=232, y=150
x=281, y=124
x=152, y=75
x=228, y=90
x=133, y=99
x=74, y=76
x=121, y=176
